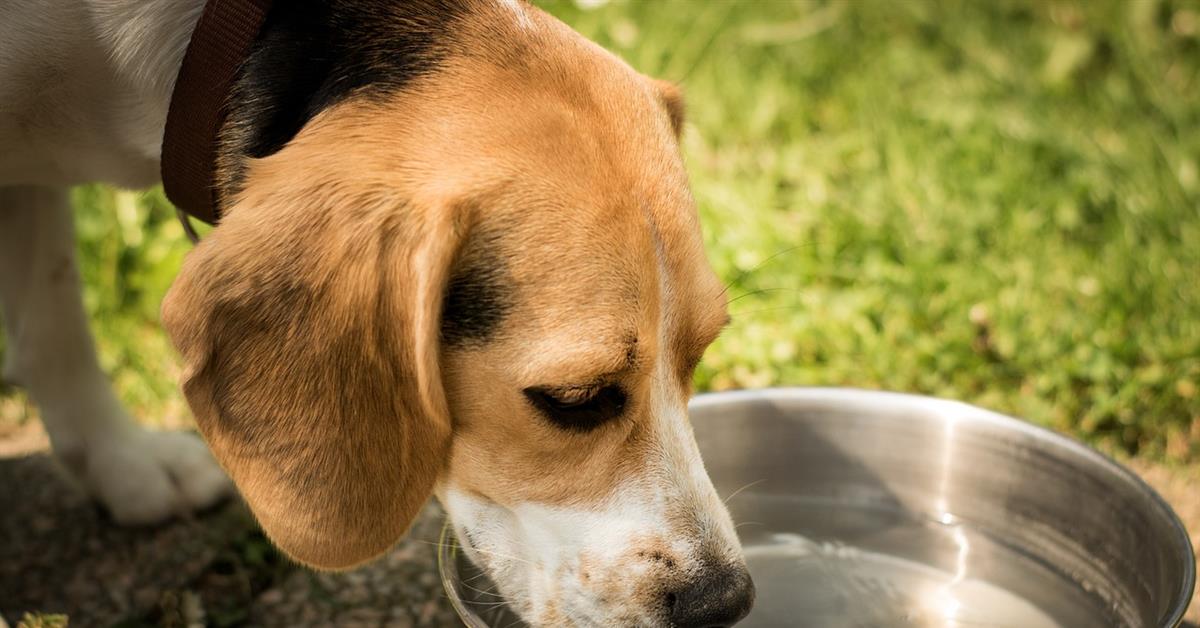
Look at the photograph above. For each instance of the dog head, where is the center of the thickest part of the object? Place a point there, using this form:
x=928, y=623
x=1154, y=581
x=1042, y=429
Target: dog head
x=488, y=284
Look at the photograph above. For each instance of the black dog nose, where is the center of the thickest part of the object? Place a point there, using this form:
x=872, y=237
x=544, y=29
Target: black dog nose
x=719, y=598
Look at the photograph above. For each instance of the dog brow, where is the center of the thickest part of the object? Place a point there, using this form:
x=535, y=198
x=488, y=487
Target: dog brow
x=631, y=351
x=616, y=363
x=629, y=360
x=708, y=332
x=698, y=339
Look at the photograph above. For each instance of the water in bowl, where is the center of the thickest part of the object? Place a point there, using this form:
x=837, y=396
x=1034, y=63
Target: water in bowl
x=837, y=565
x=832, y=584
x=830, y=564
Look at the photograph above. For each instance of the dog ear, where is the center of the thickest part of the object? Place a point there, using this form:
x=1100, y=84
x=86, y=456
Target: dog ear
x=308, y=324
x=671, y=98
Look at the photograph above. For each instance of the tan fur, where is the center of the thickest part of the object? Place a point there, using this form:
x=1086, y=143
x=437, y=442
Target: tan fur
x=308, y=319
x=309, y=322
x=672, y=100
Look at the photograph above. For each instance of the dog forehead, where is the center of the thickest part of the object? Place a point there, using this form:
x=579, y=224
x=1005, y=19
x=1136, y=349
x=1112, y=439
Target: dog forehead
x=538, y=102
x=560, y=147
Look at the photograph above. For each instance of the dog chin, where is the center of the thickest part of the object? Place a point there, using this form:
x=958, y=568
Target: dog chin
x=545, y=583
x=544, y=600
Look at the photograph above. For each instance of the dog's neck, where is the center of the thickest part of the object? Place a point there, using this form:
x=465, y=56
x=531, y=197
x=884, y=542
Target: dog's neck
x=313, y=54
x=85, y=86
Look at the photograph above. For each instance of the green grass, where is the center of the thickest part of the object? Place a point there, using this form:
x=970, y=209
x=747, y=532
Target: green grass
x=992, y=201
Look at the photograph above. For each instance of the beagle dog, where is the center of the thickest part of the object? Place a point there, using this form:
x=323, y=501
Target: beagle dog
x=457, y=256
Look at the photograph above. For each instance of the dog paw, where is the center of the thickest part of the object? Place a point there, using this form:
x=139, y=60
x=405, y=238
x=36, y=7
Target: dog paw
x=145, y=477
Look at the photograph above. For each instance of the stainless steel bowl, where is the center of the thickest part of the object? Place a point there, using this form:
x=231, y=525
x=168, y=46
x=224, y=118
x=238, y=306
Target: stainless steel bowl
x=876, y=509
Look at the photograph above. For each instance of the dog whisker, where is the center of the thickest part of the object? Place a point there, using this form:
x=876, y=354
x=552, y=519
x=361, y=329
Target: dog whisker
x=746, y=273
x=759, y=291
x=738, y=315
x=514, y=623
x=484, y=551
x=734, y=494
x=482, y=592
x=489, y=604
x=475, y=577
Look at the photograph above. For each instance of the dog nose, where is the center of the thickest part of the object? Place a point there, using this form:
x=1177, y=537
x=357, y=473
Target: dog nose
x=719, y=598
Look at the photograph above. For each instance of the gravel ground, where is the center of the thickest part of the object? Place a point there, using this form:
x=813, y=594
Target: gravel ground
x=60, y=554
x=401, y=589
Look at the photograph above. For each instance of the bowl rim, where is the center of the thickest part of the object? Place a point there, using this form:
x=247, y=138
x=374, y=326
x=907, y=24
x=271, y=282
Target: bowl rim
x=447, y=556
x=960, y=410
x=447, y=550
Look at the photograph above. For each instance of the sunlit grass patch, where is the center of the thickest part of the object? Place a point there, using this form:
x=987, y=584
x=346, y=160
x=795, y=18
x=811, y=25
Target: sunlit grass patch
x=995, y=202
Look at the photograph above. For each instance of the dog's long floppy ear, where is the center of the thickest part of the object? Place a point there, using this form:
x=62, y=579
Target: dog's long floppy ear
x=308, y=324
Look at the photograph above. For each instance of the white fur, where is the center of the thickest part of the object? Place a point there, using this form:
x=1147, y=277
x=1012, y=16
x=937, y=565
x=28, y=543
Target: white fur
x=522, y=18
x=146, y=477
x=141, y=476
x=533, y=552
x=84, y=90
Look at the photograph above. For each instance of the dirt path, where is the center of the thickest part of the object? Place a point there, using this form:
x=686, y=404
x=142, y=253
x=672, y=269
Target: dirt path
x=60, y=554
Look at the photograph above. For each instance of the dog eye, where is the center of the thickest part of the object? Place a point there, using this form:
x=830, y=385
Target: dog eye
x=578, y=409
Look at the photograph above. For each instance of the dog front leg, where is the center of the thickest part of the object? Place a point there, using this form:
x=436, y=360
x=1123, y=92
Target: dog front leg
x=140, y=476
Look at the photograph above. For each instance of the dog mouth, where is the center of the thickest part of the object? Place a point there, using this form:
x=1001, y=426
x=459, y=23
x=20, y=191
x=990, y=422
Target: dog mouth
x=471, y=577
x=538, y=565
x=537, y=597
x=469, y=580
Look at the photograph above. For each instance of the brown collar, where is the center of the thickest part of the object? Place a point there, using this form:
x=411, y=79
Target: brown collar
x=220, y=43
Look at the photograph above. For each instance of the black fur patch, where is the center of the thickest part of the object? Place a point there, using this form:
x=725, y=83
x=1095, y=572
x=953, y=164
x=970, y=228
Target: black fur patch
x=478, y=296
x=312, y=54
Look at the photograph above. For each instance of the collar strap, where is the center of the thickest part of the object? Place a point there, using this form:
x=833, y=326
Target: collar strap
x=218, y=47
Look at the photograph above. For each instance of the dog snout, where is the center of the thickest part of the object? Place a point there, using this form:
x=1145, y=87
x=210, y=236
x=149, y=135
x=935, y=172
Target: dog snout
x=718, y=597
